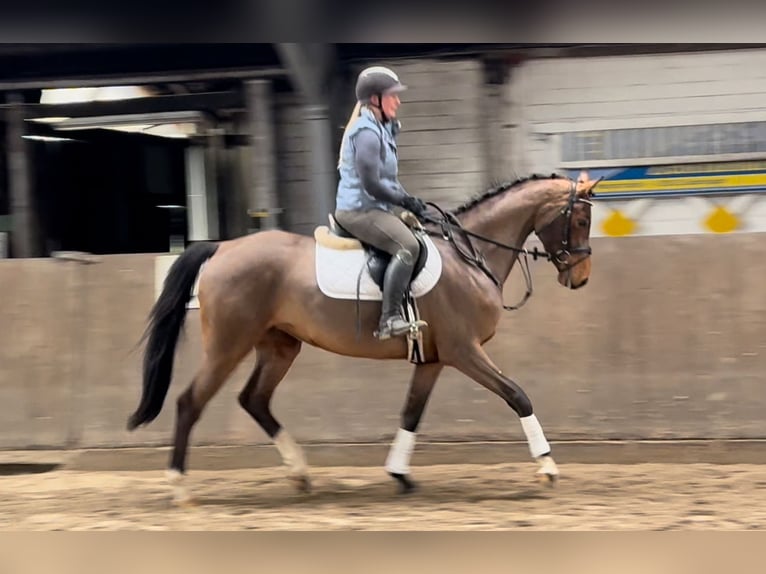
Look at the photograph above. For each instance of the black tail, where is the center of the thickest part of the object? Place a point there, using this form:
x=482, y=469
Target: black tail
x=165, y=322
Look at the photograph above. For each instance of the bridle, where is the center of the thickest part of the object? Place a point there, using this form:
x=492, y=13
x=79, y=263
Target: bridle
x=450, y=223
x=562, y=256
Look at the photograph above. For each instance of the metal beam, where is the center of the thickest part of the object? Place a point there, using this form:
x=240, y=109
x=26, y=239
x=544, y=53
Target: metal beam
x=214, y=143
x=322, y=162
x=158, y=118
x=262, y=200
x=309, y=66
x=148, y=78
x=208, y=101
x=24, y=232
x=203, y=222
x=196, y=196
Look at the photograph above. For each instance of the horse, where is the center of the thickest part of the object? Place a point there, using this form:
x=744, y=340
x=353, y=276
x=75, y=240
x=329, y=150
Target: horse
x=261, y=292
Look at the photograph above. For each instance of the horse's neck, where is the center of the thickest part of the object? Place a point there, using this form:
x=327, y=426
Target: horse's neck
x=508, y=218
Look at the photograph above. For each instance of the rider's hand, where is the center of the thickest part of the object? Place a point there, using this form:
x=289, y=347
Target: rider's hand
x=415, y=205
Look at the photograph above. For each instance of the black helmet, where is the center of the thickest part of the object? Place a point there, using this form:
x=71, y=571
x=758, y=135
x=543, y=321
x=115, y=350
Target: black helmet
x=377, y=80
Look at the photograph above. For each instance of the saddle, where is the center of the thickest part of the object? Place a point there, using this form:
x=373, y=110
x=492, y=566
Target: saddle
x=377, y=260
x=348, y=268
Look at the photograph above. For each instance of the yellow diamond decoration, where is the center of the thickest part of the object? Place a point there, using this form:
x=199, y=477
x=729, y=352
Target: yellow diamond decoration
x=618, y=225
x=721, y=220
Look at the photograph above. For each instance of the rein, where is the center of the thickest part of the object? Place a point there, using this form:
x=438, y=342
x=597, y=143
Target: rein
x=450, y=223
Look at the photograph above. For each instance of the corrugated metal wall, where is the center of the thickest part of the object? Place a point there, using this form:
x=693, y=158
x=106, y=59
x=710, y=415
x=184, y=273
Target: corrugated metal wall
x=454, y=142
x=440, y=146
x=565, y=94
x=293, y=164
x=548, y=97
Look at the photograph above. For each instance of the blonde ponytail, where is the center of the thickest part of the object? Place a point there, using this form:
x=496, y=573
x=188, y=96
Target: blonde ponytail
x=354, y=114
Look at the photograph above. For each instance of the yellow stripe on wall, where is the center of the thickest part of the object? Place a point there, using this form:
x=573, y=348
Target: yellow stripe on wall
x=676, y=183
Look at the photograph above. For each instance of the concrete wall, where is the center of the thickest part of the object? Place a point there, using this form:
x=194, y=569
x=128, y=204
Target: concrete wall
x=667, y=341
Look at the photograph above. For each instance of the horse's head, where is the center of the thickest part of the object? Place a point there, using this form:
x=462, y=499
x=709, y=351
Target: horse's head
x=563, y=226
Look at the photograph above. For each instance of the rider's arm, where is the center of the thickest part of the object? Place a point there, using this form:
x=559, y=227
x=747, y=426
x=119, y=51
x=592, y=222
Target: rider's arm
x=367, y=161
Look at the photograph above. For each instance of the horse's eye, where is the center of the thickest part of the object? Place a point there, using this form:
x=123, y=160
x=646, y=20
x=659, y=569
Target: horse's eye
x=582, y=222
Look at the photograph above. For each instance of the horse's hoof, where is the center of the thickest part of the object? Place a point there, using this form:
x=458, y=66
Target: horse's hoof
x=406, y=485
x=181, y=497
x=187, y=502
x=549, y=472
x=547, y=479
x=301, y=483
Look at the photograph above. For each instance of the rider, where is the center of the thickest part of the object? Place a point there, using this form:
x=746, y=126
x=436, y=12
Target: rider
x=369, y=188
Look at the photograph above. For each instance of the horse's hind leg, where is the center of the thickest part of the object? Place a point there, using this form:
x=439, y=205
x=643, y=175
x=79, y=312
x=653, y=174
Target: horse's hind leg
x=215, y=369
x=276, y=353
x=475, y=363
x=398, y=460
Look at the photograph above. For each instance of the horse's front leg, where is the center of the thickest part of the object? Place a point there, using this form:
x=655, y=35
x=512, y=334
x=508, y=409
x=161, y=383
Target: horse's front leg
x=475, y=363
x=398, y=461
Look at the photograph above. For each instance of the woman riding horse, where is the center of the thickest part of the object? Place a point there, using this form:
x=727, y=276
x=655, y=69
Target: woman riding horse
x=260, y=292
x=369, y=189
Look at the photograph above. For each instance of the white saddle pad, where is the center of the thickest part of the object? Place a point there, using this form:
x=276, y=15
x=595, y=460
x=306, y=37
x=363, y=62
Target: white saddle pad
x=337, y=271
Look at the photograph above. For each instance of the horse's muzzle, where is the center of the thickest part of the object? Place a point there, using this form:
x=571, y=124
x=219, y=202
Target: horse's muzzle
x=582, y=283
x=566, y=279
x=575, y=276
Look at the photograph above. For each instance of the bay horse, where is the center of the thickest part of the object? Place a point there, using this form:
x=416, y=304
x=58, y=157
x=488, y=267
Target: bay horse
x=261, y=292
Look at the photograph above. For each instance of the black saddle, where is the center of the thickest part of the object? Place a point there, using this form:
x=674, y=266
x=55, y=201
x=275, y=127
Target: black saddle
x=377, y=260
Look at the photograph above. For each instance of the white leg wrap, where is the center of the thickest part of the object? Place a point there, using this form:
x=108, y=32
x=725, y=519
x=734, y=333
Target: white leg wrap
x=292, y=453
x=538, y=446
x=398, y=460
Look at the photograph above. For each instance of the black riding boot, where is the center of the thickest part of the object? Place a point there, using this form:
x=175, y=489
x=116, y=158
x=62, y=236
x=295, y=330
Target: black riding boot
x=395, y=283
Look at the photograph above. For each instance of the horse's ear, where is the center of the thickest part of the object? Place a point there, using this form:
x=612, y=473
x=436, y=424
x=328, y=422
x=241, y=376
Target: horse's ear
x=591, y=186
x=584, y=184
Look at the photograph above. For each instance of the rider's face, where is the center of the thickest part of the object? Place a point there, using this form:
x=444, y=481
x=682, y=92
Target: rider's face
x=390, y=104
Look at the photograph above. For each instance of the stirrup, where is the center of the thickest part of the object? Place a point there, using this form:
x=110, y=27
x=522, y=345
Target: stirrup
x=387, y=329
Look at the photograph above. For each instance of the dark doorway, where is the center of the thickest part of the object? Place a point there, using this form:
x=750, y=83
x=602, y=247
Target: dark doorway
x=101, y=193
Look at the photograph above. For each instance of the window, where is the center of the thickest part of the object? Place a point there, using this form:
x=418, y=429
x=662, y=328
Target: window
x=637, y=146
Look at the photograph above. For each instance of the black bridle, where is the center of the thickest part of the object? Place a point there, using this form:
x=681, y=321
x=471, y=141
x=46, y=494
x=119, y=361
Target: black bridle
x=562, y=256
x=449, y=223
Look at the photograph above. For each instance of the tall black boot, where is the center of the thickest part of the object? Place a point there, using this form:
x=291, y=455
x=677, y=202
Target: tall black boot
x=395, y=283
